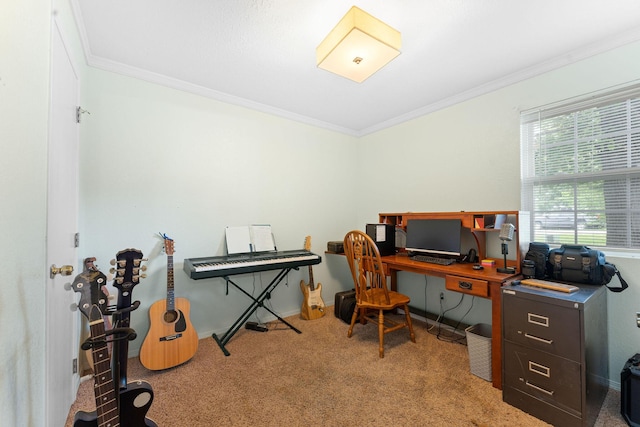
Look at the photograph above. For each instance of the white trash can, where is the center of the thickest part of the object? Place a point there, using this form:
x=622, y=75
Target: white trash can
x=479, y=345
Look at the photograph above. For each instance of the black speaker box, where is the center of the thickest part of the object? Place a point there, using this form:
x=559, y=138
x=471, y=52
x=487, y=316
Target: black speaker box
x=384, y=235
x=630, y=391
x=344, y=305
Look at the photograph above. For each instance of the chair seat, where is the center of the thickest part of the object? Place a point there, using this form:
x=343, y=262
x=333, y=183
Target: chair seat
x=375, y=298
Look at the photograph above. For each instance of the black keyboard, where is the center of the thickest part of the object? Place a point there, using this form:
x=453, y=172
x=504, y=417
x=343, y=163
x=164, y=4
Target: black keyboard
x=225, y=265
x=433, y=260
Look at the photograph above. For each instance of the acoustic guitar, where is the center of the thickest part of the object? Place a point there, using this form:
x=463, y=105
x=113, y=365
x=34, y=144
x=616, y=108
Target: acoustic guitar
x=171, y=340
x=312, y=303
x=113, y=409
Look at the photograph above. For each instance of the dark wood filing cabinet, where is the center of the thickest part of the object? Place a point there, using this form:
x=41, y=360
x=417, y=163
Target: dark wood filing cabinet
x=555, y=362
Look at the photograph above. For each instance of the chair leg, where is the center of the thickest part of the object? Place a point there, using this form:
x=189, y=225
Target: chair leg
x=354, y=316
x=409, y=324
x=381, y=332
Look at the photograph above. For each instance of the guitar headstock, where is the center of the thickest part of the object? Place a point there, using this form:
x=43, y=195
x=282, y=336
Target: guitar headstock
x=307, y=243
x=128, y=264
x=84, y=283
x=168, y=244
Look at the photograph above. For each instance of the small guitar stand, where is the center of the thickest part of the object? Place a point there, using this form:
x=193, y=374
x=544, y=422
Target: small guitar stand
x=120, y=334
x=256, y=303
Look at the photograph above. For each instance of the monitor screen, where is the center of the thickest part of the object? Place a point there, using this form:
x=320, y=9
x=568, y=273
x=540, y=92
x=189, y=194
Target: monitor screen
x=435, y=236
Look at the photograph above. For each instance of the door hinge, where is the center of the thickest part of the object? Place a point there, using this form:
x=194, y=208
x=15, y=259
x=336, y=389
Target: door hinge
x=75, y=365
x=76, y=240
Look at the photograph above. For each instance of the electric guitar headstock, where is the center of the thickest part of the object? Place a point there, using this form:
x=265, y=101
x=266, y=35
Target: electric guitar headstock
x=128, y=267
x=128, y=271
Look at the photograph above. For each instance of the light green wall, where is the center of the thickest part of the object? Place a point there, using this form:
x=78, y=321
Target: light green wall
x=158, y=160
x=155, y=160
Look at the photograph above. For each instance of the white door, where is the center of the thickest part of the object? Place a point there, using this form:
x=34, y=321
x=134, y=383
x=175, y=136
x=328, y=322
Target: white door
x=62, y=204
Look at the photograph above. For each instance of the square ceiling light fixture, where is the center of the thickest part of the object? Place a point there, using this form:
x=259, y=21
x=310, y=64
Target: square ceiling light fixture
x=358, y=46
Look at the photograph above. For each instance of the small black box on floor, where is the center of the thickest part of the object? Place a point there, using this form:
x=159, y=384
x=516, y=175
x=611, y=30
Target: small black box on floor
x=344, y=305
x=384, y=235
x=630, y=391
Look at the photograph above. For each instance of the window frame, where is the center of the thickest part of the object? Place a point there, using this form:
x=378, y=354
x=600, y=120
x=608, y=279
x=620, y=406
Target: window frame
x=537, y=172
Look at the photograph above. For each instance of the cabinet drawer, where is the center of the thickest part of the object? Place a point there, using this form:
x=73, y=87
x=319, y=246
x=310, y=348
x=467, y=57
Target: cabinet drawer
x=543, y=376
x=466, y=285
x=542, y=326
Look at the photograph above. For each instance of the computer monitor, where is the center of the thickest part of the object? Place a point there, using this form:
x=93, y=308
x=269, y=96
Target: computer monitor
x=434, y=236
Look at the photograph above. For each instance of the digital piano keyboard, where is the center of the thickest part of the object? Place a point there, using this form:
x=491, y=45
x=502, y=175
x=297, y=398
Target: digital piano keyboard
x=227, y=265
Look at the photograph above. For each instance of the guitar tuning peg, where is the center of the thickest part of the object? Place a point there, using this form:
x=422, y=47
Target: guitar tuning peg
x=120, y=271
x=135, y=278
x=112, y=262
x=73, y=307
x=143, y=268
x=119, y=280
x=67, y=286
x=122, y=263
x=143, y=276
x=110, y=276
x=112, y=270
x=136, y=262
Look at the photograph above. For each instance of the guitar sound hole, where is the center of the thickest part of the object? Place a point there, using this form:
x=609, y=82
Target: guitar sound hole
x=170, y=316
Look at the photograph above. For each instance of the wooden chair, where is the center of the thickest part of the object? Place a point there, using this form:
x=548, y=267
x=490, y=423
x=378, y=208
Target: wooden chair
x=373, y=297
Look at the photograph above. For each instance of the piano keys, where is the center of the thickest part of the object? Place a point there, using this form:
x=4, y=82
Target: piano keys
x=227, y=265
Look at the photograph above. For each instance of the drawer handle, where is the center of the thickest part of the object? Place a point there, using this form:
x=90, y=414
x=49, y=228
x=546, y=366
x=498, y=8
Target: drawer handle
x=535, y=387
x=538, y=320
x=533, y=337
x=539, y=369
x=465, y=285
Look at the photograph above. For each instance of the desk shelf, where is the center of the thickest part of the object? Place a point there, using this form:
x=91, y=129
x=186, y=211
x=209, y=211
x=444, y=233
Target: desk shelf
x=471, y=221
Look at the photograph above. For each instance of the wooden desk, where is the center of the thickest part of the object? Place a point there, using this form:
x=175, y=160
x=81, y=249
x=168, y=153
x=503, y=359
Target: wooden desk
x=463, y=278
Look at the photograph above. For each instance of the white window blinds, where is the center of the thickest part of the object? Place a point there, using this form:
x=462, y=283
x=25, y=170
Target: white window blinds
x=580, y=166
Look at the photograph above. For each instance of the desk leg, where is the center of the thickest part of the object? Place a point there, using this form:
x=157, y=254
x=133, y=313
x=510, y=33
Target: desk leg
x=394, y=279
x=496, y=333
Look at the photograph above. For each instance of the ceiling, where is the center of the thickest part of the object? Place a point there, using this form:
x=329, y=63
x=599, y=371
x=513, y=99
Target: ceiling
x=261, y=53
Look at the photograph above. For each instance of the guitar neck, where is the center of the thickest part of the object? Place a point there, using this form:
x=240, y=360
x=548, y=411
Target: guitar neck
x=105, y=392
x=170, y=284
x=312, y=286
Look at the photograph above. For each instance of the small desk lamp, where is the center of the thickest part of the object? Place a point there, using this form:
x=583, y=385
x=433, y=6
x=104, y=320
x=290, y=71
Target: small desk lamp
x=506, y=235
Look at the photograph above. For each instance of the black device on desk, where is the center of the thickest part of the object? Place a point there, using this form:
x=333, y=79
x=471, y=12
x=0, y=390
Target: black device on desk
x=436, y=238
x=384, y=236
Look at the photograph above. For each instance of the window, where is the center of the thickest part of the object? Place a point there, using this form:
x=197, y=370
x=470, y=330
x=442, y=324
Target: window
x=580, y=166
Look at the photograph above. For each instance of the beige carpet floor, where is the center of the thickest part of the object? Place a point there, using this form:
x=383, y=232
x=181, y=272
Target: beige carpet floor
x=321, y=377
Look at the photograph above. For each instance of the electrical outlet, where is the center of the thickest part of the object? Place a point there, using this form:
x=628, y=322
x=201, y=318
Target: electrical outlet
x=441, y=296
x=74, y=363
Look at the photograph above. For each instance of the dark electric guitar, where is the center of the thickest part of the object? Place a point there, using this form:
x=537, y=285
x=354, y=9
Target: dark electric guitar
x=127, y=268
x=171, y=340
x=312, y=303
x=113, y=409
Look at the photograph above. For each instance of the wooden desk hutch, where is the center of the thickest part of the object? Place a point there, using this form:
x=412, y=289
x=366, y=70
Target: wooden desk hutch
x=461, y=277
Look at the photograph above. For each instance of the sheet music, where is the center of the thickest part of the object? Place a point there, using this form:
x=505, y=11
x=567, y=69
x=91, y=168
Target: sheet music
x=238, y=240
x=245, y=239
x=262, y=238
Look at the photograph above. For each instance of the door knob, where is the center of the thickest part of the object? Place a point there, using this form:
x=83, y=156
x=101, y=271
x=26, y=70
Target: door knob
x=65, y=270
